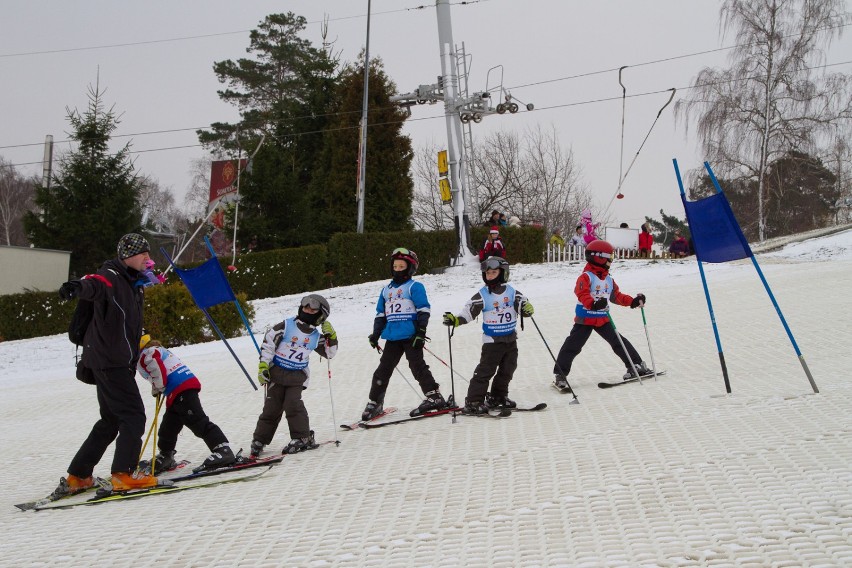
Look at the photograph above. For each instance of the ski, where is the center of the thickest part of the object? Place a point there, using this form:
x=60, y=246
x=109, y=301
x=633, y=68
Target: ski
x=529, y=408
x=628, y=381
x=356, y=425
x=493, y=413
x=241, y=463
x=404, y=419
x=55, y=496
x=135, y=494
x=566, y=390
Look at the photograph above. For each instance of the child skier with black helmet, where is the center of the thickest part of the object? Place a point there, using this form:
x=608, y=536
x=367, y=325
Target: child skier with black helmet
x=595, y=290
x=284, y=372
x=402, y=314
x=170, y=377
x=500, y=305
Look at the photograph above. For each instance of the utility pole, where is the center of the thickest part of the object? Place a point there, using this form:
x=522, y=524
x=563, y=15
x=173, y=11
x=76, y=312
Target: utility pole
x=459, y=108
x=362, y=150
x=47, y=167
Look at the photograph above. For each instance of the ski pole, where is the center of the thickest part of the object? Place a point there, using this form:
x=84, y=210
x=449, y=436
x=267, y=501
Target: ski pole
x=456, y=373
x=648, y=338
x=151, y=429
x=555, y=362
x=331, y=396
x=154, y=429
x=452, y=377
x=624, y=347
x=417, y=394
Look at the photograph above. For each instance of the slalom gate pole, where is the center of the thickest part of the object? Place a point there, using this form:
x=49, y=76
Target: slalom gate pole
x=456, y=373
x=648, y=339
x=331, y=396
x=624, y=347
x=225, y=341
x=555, y=362
x=452, y=377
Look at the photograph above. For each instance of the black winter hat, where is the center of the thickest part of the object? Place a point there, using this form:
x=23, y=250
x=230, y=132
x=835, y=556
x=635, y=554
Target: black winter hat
x=132, y=244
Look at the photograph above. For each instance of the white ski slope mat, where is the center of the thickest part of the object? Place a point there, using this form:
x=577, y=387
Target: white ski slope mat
x=668, y=473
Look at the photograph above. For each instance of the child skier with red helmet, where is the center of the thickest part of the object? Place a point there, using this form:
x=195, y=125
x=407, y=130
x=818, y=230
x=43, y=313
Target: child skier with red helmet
x=595, y=290
x=402, y=314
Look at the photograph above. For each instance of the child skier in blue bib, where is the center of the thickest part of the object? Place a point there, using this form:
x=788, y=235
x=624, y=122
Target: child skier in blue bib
x=500, y=305
x=402, y=314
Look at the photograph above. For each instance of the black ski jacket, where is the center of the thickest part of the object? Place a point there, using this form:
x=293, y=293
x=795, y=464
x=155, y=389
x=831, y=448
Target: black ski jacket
x=112, y=338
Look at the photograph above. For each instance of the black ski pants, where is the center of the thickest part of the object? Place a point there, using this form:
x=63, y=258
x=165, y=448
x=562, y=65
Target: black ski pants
x=278, y=400
x=122, y=419
x=391, y=355
x=186, y=410
x=499, y=358
x=577, y=339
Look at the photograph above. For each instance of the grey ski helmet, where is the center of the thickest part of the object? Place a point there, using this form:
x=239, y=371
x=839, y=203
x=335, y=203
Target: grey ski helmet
x=496, y=262
x=316, y=302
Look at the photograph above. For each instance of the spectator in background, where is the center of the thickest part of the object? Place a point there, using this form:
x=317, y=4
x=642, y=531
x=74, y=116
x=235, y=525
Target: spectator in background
x=577, y=239
x=493, y=220
x=624, y=226
x=646, y=241
x=493, y=245
x=502, y=221
x=556, y=238
x=679, y=247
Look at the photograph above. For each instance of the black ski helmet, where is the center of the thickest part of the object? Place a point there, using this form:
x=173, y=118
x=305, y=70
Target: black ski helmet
x=315, y=302
x=495, y=262
x=409, y=256
x=599, y=253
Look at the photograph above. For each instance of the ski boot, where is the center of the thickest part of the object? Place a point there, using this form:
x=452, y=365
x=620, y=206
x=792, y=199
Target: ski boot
x=494, y=401
x=164, y=461
x=222, y=456
x=297, y=445
x=433, y=401
x=474, y=408
x=72, y=484
x=256, y=448
x=643, y=369
x=125, y=481
x=372, y=410
x=560, y=382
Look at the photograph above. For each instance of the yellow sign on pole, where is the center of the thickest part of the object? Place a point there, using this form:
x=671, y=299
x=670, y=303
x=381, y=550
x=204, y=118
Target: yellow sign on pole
x=444, y=186
x=443, y=166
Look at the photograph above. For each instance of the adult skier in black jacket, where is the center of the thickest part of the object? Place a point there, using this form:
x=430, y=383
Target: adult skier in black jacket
x=110, y=351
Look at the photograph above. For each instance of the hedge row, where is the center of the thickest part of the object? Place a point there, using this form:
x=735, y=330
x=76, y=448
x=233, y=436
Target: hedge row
x=348, y=258
x=170, y=315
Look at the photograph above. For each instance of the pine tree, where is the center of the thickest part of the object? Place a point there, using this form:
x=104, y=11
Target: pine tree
x=389, y=187
x=93, y=198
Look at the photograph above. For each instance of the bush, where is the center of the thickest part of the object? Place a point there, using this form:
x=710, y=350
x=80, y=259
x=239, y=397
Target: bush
x=523, y=244
x=279, y=272
x=33, y=314
x=363, y=257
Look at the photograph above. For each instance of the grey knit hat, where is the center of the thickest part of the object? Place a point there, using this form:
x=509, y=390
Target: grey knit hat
x=132, y=244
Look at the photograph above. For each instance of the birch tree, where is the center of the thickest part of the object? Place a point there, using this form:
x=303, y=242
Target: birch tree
x=16, y=198
x=772, y=99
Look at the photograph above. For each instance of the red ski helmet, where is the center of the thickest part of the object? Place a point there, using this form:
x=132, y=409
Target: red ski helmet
x=409, y=256
x=599, y=253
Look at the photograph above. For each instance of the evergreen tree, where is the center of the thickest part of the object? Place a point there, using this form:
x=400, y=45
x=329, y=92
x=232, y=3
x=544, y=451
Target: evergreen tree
x=389, y=187
x=93, y=198
x=663, y=231
x=283, y=93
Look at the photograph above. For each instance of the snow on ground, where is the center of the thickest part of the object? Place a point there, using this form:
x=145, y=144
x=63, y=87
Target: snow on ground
x=668, y=473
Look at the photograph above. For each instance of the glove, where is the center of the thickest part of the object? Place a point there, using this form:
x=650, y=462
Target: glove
x=263, y=372
x=328, y=330
x=420, y=338
x=638, y=301
x=599, y=304
x=527, y=309
x=157, y=390
x=70, y=289
x=374, y=340
x=451, y=320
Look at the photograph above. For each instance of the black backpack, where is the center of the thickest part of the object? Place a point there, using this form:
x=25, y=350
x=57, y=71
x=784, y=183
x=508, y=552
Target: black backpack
x=80, y=320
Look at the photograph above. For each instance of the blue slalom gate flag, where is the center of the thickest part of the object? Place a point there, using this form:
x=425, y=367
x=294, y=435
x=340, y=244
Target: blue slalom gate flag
x=716, y=235
x=207, y=284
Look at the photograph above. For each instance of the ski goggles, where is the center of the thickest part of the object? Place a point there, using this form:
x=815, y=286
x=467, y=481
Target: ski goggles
x=311, y=302
x=493, y=263
x=401, y=250
x=601, y=254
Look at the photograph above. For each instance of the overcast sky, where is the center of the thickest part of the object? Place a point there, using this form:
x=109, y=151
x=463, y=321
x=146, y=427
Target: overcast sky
x=170, y=86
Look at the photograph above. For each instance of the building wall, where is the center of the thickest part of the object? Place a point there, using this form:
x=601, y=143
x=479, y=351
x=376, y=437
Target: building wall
x=23, y=269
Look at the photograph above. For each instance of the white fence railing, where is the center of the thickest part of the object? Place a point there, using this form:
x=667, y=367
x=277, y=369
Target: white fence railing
x=556, y=253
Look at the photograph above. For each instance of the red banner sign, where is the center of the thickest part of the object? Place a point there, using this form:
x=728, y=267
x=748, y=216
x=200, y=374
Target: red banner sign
x=223, y=178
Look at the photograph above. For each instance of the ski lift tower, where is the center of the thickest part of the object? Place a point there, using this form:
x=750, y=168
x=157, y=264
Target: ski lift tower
x=459, y=108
